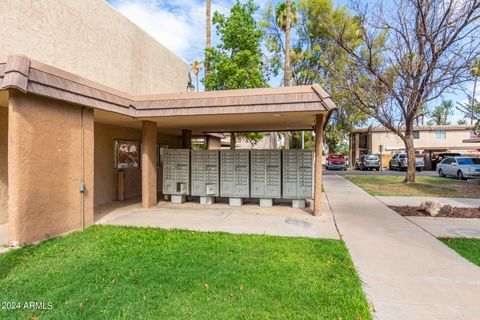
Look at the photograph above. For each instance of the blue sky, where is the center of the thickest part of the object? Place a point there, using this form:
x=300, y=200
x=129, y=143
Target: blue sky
x=180, y=26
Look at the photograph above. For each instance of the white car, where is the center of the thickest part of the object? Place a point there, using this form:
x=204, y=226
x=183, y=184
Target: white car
x=460, y=167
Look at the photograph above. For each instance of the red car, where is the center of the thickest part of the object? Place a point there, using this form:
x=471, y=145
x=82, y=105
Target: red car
x=337, y=161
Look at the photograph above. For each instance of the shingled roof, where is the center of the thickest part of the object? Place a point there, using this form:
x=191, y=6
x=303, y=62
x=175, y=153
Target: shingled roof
x=29, y=76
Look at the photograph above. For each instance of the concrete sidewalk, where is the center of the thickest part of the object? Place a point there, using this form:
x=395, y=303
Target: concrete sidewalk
x=279, y=220
x=449, y=227
x=406, y=272
x=416, y=201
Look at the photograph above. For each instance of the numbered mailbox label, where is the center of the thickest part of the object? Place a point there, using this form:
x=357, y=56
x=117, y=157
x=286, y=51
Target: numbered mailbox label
x=205, y=173
x=235, y=173
x=298, y=167
x=176, y=171
x=266, y=173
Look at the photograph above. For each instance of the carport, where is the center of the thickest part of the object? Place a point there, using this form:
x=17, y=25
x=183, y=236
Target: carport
x=58, y=123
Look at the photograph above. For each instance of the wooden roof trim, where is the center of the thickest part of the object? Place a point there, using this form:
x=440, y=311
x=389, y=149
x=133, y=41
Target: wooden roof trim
x=30, y=76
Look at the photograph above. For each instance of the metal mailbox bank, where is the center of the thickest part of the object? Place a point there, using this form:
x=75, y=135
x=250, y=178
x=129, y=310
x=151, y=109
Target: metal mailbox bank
x=176, y=174
x=234, y=175
x=266, y=176
x=298, y=167
x=205, y=175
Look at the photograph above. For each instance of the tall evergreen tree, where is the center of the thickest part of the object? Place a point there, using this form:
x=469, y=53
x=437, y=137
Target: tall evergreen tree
x=236, y=62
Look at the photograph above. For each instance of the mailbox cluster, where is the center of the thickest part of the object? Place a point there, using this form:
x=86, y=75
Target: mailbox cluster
x=176, y=174
x=239, y=174
x=205, y=175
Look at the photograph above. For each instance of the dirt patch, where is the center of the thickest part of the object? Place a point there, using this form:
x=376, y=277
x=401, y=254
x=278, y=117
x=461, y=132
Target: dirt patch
x=456, y=212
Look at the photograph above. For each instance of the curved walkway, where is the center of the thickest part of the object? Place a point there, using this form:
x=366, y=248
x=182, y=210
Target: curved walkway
x=406, y=272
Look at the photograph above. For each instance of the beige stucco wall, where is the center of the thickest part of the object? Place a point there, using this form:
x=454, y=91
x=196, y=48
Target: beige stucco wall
x=49, y=153
x=453, y=139
x=91, y=39
x=3, y=165
x=106, y=174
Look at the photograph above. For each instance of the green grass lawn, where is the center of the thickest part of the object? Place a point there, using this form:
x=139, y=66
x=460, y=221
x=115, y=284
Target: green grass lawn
x=423, y=187
x=468, y=248
x=139, y=273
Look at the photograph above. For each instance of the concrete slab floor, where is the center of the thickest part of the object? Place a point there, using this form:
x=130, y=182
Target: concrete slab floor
x=449, y=227
x=279, y=220
x=406, y=272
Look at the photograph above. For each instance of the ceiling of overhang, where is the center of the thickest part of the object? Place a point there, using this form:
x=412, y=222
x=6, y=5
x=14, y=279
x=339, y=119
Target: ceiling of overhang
x=216, y=123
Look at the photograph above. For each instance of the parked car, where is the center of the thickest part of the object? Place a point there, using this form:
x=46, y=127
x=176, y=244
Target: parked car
x=400, y=162
x=460, y=167
x=368, y=162
x=336, y=161
x=439, y=157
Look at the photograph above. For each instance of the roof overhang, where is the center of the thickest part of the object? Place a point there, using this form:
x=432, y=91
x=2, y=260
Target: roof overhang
x=266, y=109
x=472, y=140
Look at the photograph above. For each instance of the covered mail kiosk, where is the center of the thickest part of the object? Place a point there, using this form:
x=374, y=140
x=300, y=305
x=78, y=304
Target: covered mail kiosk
x=57, y=118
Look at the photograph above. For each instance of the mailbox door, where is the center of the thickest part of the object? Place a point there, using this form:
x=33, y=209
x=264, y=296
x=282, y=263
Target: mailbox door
x=198, y=172
x=227, y=158
x=242, y=173
x=258, y=174
x=273, y=174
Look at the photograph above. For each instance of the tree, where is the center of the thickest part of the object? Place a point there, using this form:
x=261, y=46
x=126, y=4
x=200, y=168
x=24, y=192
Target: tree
x=208, y=22
x=475, y=72
x=285, y=17
x=441, y=112
x=312, y=53
x=288, y=20
x=470, y=109
x=196, y=65
x=421, y=114
x=461, y=121
x=412, y=53
x=236, y=62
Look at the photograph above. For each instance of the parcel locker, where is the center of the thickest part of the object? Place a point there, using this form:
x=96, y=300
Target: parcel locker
x=265, y=173
x=298, y=167
x=176, y=171
x=234, y=173
x=205, y=173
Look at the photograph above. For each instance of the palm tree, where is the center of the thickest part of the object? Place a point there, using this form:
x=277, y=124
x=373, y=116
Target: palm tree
x=284, y=12
x=441, y=112
x=286, y=78
x=208, y=28
x=196, y=65
x=475, y=72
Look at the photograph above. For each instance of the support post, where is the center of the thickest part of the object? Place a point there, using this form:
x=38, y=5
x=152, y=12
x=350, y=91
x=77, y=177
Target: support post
x=233, y=141
x=186, y=139
x=149, y=166
x=317, y=192
x=351, y=162
x=213, y=143
x=357, y=146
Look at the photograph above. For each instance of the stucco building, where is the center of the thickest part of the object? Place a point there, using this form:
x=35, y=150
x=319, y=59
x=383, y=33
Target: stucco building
x=75, y=76
x=427, y=140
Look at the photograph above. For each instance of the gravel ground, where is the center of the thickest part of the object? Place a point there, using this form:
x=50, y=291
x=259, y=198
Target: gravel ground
x=456, y=212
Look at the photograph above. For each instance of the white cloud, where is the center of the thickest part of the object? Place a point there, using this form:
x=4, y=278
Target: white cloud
x=179, y=25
